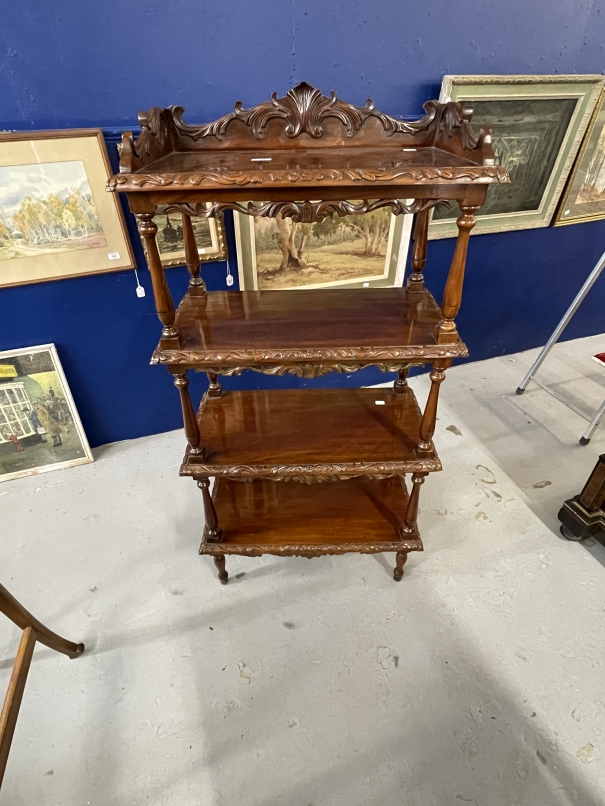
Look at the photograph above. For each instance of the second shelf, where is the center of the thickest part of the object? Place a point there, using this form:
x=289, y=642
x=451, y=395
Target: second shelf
x=300, y=433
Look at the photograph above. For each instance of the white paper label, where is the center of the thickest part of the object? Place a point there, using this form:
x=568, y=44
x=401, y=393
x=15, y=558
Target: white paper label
x=260, y=159
x=229, y=279
x=113, y=256
x=202, y=251
x=140, y=291
x=366, y=285
x=380, y=402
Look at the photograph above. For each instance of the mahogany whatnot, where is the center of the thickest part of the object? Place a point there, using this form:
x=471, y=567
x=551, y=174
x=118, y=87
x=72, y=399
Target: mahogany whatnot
x=308, y=156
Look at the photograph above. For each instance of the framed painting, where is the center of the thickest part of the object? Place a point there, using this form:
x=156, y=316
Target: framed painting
x=56, y=220
x=209, y=237
x=584, y=196
x=39, y=426
x=352, y=251
x=538, y=123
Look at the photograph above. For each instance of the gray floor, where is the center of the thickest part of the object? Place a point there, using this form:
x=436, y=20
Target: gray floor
x=478, y=679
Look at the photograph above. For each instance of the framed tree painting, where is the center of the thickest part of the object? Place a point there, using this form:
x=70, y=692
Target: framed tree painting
x=538, y=123
x=352, y=251
x=584, y=196
x=39, y=425
x=209, y=237
x=56, y=220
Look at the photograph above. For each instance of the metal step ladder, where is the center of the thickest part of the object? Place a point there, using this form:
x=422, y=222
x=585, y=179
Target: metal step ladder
x=593, y=421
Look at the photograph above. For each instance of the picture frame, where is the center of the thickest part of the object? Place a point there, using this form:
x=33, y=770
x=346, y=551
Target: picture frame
x=56, y=219
x=40, y=429
x=584, y=195
x=538, y=123
x=209, y=237
x=353, y=251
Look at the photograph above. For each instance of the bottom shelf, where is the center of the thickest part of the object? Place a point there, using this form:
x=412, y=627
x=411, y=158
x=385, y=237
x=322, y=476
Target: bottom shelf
x=291, y=518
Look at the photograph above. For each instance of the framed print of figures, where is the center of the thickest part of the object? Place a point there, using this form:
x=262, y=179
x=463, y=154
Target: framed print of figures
x=537, y=126
x=352, y=251
x=39, y=426
x=209, y=237
x=584, y=197
x=56, y=220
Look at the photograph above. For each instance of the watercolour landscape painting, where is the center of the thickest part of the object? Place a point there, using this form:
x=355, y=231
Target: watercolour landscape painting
x=279, y=253
x=47, y=208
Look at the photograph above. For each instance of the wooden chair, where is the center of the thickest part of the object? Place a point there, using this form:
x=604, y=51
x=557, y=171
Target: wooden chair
x=32, y=631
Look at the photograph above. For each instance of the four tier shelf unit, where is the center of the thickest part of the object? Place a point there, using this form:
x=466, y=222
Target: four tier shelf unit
x=308, y=156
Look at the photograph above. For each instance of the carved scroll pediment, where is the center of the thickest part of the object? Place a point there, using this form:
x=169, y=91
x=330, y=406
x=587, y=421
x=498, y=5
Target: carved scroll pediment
x=304, y=110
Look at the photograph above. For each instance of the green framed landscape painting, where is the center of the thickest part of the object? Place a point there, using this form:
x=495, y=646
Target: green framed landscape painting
x=538, y=123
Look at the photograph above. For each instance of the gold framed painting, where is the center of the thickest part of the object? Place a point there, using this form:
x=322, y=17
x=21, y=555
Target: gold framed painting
x=39, y=425
x=352, y=251
x=584, y=196
x=209, y=237
x=538, y=122
x=56, y=220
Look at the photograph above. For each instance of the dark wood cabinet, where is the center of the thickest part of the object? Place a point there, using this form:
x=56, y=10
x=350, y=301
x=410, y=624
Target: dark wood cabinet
x=322, y=471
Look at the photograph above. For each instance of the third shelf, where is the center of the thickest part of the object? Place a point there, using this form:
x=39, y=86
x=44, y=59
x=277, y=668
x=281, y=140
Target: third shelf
x=290, y=433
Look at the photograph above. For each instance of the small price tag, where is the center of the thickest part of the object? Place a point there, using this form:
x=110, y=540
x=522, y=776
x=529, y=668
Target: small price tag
x=229, y=279
x=140, y=291
x=113, y=256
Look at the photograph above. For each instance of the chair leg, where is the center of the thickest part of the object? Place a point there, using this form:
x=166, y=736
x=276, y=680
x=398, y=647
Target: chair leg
x=219, y=561
x=402, y=557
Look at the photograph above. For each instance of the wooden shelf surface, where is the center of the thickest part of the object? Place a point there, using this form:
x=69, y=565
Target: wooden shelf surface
x=267, y=517
x=309, y=432
x=358, y=326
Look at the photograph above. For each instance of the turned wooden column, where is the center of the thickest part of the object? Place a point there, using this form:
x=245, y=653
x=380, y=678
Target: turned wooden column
x=409, y=528
x=214, y=387
x=416, y=279
x=401, y=382
x=213, y=530
x=197, y=287
x=452, y=296
x=161, y=293
x=192, y=431
x=429, y=417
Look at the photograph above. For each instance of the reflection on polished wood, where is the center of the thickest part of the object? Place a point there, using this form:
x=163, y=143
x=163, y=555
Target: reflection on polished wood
x=310, y=432
x=370, y=325
x=268, y=517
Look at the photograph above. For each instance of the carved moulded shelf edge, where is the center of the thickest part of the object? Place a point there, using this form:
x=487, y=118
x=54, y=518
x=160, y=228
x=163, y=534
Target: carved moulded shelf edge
x=329, y=471
x=359, y=357
x=308, y=550
x=220, y=176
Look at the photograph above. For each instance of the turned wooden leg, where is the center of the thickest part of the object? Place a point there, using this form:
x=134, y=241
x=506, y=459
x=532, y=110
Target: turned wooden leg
x=214, y=387
x=409, y=528
x=161, y=293
x=452, y=296
x=416, y=279
x=429, y=418
x=197, y=287
x=192, y=431
x=402, y=558
x=401, y=384
x=219, y=561
x=213, y=530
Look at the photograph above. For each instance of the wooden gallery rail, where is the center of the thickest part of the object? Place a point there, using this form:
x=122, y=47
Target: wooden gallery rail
x=308, y=157
x=32, y=631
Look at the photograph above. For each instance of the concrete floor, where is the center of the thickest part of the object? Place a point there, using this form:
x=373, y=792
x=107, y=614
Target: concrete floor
x=479, y=679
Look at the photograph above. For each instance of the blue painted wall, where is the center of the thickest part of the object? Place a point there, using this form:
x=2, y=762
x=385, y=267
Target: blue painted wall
x=76, y=63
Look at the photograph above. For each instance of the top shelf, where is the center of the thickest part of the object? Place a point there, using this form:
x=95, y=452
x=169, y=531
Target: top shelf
x=304, y=142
